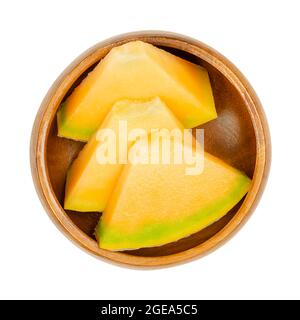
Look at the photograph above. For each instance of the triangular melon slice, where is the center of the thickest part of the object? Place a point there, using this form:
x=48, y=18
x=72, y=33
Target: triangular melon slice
x=90, y=183
x=155, y=204
x=137, y=70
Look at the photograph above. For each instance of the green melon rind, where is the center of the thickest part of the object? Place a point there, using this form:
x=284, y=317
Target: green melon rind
x=111, y=238
x=67, y=131
x=82, y=206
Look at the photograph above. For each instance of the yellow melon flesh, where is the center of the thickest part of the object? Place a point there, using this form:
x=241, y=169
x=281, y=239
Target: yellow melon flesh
x=137, y=70
x=89, y=183
x=157, y=204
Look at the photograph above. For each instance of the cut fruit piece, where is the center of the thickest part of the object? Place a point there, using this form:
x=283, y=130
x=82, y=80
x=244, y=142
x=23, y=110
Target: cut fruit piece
x=90, y=183
x=153, y=205
x=137, y=70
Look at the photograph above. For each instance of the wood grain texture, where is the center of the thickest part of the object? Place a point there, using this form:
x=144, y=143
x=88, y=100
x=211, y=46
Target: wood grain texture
x=239, y=136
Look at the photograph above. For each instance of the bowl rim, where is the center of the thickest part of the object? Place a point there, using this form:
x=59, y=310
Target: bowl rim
x=56, y=93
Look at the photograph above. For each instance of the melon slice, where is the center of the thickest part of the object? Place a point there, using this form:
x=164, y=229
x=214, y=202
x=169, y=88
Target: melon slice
x=90, y=183
x=155, y=204
x=137, y=70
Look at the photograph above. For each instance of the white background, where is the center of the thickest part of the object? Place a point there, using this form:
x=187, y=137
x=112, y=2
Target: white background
x=39, y=39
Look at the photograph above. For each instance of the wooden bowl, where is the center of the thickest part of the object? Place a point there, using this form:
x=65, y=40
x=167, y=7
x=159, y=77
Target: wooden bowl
x=239, y=136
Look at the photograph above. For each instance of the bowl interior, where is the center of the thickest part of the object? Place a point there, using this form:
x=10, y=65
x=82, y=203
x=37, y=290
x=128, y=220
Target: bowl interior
x=230, y=137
